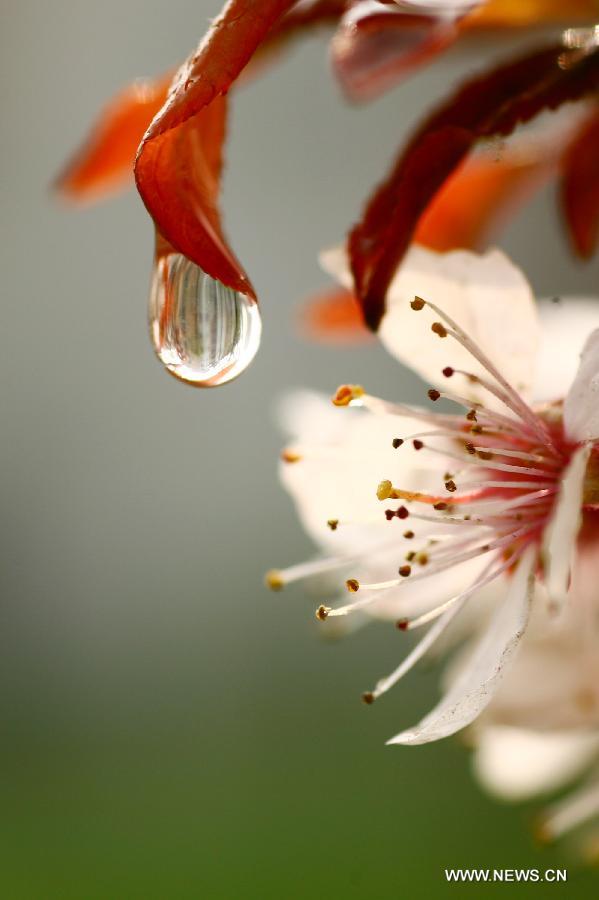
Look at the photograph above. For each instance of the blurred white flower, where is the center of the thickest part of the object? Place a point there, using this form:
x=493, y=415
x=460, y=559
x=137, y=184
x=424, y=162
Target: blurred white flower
x=495, y=528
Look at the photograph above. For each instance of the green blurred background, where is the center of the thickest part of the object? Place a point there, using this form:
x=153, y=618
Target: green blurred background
x=169, y=728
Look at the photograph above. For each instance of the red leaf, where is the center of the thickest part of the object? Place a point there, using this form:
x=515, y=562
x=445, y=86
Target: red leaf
x=491, y=104
x=579, y=189
x=105, y=162
x=175, y=165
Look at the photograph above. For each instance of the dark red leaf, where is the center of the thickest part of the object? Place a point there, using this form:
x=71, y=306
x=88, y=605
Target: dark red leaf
x=579, y=188
x=181, y=150
x=491, y=104
x=378, y=43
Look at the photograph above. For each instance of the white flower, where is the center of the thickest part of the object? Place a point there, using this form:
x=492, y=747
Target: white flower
x=435, y=518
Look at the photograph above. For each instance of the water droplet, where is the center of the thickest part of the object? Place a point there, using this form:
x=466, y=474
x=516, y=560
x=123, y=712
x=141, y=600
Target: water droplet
x=203, y=332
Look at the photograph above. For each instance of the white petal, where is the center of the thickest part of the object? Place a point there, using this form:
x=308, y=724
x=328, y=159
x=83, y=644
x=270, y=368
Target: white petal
x=487, y=295
x=516, y=763
x=559, y=540
x=412, y=598
x=474, y=687
x=565, y=326
x=345, y=454
x=554, y=682
x=573, y=810
x=581, y=407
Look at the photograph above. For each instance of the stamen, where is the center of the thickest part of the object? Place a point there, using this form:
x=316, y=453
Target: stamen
x=290, y=456
x=485, y=456
x=519, y=454
x=509, y=485
x=485, y=578
x=378, y=406
x=386, y=491
x=525, y=500
x=417, y=653
x=277, y=579
x=571, y=812
x=493, y=418
x=348, y=393
x=503, y=396
x=400, y=513
x=447, y=560
x=515, y=400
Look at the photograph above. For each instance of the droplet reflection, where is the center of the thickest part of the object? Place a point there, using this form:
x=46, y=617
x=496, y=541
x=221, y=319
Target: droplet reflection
x=203, y=332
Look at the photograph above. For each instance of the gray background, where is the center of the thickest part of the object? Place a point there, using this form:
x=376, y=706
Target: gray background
x=170, y=729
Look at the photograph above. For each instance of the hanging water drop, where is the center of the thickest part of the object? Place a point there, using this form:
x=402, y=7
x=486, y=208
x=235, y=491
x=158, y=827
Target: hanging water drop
x=203, y=332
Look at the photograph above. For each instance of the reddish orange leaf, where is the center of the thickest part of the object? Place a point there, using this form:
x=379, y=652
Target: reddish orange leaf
x=175, y=184
x=580, y=189
x=105, y=162
x=478, y=198
x=526, y=13
x=334, y=317
x=492, y=104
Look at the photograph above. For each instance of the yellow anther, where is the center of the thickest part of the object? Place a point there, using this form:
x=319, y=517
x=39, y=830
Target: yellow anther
x=346, y=393
x=274, y=580
x=384, y=490
x=289, y=456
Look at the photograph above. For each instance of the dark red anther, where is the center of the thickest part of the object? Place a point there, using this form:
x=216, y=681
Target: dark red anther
x=439, y=329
